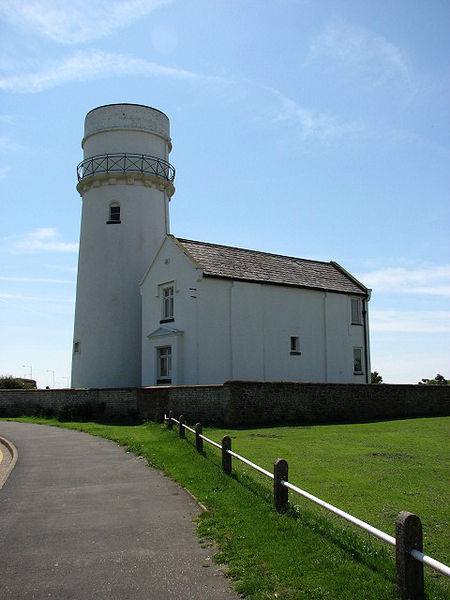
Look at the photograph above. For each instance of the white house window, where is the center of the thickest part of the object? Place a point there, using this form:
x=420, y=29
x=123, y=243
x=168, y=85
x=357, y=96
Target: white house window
x=357, y=361
x=295, y=345
x=114, y=213
x=164, y=357
x=167, y=304
x=356, y=311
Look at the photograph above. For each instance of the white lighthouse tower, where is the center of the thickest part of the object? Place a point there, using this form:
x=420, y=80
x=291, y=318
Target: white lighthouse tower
x=125, y=182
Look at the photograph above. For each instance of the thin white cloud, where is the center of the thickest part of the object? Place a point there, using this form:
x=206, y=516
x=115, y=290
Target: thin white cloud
x=45, y=239
x=6, y=296
x=36, y=280
x=410, y=321
x=374, y=57
x=82, y=66
x=434, y=280
x=77, y=21
x=313, y=124
x=61, y=268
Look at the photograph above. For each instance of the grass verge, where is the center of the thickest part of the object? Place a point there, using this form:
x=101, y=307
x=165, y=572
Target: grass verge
x=301, y=555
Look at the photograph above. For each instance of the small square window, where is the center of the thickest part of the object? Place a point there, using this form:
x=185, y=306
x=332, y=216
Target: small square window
x=357, y=361
x=356, y=311
x=295, y=345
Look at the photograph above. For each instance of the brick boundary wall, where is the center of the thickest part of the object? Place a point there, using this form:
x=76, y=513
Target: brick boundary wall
x=102, y=403
x=241, y=403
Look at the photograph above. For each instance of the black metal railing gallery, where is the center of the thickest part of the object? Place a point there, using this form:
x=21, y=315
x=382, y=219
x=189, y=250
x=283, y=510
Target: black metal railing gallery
x=125, y=163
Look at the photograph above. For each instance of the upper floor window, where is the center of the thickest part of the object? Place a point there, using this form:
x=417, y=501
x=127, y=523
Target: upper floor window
x=167, y=304
x=114, y=213
x=356, y=311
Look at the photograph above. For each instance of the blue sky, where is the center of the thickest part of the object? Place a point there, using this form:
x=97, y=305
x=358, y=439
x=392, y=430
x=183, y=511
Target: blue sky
x=313, y=128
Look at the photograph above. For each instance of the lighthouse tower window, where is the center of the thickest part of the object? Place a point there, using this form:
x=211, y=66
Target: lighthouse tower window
x=114, y=214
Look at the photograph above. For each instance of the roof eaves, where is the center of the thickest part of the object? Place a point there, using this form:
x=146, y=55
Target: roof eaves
x=350, y=276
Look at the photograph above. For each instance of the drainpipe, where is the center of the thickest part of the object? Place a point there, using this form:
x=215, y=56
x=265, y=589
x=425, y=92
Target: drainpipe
x=366, y=350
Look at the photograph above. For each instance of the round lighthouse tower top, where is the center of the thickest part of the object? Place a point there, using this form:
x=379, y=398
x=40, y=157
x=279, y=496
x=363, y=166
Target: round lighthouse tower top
x=126, y=117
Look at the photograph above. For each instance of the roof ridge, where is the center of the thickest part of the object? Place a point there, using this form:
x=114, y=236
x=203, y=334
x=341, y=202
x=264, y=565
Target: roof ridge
x=294, y=258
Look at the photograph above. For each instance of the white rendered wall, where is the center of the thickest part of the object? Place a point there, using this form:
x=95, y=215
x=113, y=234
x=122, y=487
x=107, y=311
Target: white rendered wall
x=240, y=330
x=170, y=267
x=114, y=257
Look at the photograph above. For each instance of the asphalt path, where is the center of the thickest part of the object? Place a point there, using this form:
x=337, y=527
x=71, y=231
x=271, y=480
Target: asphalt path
x=82, y=519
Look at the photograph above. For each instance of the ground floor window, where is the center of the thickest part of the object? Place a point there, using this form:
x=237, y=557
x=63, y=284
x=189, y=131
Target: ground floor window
x=164, y=358
x=357, y=361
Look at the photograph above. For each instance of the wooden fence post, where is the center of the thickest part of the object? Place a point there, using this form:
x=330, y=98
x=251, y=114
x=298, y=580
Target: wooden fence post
x=280, y=493
x=181, y=431
x=226, y=458
x=198, y=439
x=170, y=422
x=408, y=536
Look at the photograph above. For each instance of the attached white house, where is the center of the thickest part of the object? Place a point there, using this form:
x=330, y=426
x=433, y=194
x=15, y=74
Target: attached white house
x=211, y=313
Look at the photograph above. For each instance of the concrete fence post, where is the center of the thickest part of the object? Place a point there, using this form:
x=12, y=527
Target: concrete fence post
x=170, y=422
x=198, y=439
x=280, y=493
x=226, y=458
x=181, y=431
x=408, y=536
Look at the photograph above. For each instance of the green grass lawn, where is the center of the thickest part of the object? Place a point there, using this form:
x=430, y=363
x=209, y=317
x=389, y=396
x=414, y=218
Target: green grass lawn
x=370, y=470
x=373, y=470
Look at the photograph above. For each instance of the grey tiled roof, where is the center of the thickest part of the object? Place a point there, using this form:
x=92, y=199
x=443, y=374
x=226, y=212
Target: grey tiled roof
x=249, y=265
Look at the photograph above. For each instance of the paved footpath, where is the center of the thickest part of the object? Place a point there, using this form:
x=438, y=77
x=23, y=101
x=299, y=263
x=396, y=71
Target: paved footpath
x=82, y=519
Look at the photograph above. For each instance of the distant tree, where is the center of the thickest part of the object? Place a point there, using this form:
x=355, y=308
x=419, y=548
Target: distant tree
x=438, y=380
x=8, y=382
x=375, y=377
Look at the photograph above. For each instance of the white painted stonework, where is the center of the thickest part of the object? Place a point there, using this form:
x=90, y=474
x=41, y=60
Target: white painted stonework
x=226, y=329
x=113, y=257
x=221, y=328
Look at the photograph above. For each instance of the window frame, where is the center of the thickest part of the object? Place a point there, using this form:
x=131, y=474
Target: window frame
x=357, y=313
x=167, y=303
x=113, y=220
x=356, y=350
x=164, y=375
x=294, y=345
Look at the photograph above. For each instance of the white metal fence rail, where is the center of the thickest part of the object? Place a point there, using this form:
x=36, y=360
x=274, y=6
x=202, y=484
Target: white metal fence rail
x=408, y=540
